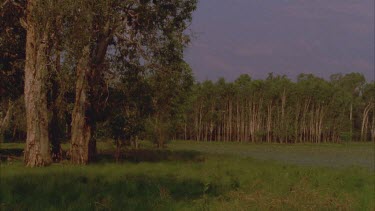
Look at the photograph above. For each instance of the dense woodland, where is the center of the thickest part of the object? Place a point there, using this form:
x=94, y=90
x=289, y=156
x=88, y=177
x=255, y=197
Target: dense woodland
x=277, y=109
x=79, y=71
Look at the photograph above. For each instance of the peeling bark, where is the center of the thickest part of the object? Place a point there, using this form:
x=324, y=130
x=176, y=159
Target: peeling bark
x=81, y=129
x=88, y=100
x=37, y=151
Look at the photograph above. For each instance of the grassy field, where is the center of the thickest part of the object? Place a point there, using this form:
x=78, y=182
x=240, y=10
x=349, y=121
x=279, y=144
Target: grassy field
x=329, y=155
x=198, y=176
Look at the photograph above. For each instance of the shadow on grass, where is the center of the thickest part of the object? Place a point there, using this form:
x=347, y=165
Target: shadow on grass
x=129, y=155
x=76, y=191
x=6, y=154
x=151, y=155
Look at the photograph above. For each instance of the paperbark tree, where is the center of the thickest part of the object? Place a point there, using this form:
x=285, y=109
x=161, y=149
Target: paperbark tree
x=99, y=21
x=81, y=129
x=37, y=151
x=136, y=29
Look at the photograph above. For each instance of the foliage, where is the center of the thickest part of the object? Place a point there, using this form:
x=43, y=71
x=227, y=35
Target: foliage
x=277, y=109
x=145, y=41
x=12, y=50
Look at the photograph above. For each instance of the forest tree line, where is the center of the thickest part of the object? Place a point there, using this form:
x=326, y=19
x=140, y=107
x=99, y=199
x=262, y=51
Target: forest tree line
x=277, y=109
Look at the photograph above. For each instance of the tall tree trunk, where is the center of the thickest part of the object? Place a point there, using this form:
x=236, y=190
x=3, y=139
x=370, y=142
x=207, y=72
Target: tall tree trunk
x=283, y=125
x=251, y=120
x=89, y=85
x=81, y=128
x=200, y=131
x=372, y=130
x=37, y=151
x=351, y=121
x=297, y=124
x=269, y=121
x=230, y=121
x=365, y=122
x=237, y=135
x=224, y=137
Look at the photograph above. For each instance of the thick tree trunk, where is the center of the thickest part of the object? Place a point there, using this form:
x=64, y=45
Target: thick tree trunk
x=37, y=151
x=88, y=100
x=81, y=128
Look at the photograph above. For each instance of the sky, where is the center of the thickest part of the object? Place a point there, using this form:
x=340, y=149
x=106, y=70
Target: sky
x=286, y=37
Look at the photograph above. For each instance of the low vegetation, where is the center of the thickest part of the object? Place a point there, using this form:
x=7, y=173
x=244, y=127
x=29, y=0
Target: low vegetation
x=193, y=176
x=328, y=155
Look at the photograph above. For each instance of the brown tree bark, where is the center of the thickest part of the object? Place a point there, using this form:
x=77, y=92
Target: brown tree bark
x=89, y=89
x=37, y=151
x=81, y=129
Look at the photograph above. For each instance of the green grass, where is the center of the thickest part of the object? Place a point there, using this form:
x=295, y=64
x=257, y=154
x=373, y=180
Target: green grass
x=213, y=177
x=328, y=155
